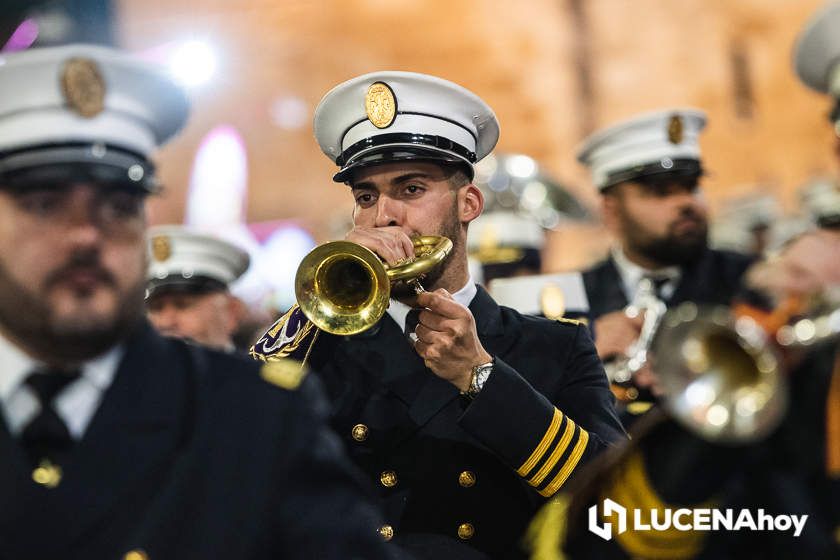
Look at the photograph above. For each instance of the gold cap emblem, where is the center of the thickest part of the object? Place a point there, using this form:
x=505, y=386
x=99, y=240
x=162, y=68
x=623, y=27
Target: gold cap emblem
x=675, y=129
x=83, y=87
x=161, y=248
x=381, y=105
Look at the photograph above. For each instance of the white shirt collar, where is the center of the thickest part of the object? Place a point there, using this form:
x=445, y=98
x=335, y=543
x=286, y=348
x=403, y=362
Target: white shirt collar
x=398, y=310
x=631, y=274
x=16, y=366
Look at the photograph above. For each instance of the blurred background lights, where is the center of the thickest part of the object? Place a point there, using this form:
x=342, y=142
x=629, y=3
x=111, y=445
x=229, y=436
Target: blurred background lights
x=521, y=166
x=192, y=63
x=219, y=182
x=24, y=35
x=289, y=113
x=281, y=255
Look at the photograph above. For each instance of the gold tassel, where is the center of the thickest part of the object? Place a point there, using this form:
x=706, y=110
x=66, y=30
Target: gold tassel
x=547, y=532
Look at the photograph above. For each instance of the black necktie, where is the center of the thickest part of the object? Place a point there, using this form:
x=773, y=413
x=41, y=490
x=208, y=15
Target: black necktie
x=46, y=437
x=411, y=321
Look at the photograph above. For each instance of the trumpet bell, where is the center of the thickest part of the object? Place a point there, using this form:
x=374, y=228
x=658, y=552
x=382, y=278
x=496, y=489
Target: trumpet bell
x=721, y=377
x=342, y=287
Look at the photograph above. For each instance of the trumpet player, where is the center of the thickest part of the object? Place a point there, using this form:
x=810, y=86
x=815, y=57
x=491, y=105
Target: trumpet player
x=465, y=415
x=648, y=171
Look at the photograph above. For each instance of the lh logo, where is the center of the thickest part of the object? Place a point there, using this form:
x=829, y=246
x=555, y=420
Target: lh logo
x=605, y=530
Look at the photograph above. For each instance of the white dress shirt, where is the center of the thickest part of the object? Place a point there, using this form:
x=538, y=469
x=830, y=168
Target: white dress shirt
x=75, y=404
x=399, y=311
x=631, y=274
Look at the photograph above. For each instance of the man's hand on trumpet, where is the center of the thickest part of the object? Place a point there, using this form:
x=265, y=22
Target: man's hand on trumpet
x=615, y=332
x=391, y=243
x=808, y=265
x=447, y=339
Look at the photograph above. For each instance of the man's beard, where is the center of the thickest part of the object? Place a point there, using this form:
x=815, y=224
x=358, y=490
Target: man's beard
x=30, y=321
x=672, y=249
x=451, y=228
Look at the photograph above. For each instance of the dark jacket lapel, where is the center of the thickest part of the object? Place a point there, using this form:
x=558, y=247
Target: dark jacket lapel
x=134, y=434
x=389, y=356
x=604, y=289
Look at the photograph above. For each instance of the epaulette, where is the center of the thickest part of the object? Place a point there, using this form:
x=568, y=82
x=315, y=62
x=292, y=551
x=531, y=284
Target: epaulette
x=571, y=321
x=284, y=373
x=290, y=336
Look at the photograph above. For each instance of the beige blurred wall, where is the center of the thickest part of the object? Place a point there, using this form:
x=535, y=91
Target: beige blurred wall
x=552, y=69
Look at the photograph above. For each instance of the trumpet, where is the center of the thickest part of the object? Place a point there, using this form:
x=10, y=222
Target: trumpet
x=621, y=370
x=723, y=373
x=343, y=288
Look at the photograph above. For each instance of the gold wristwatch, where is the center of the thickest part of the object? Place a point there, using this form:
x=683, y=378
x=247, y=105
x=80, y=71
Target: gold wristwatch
x=480, y=374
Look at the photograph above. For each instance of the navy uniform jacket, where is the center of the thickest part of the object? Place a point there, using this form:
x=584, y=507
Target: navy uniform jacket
x=714, y=278
x=452, y=472
x=192, y=455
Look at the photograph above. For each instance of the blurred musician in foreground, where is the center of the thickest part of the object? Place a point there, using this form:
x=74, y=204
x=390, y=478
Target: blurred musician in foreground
x=188, y=286
x=648, y=171
x=465, y=414
x=117, y=442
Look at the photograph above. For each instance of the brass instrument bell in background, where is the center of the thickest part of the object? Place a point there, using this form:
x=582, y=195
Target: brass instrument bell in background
x=344, y=288
x=721, y=375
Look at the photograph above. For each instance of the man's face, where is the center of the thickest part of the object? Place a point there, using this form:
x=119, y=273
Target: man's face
x=207, y=318
x=72, y=263
x=664, y=222
x=417, y=197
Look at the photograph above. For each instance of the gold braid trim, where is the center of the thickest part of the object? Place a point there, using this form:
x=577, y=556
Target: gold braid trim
x=559, y=449
x=632, y=489
x=569, y=466
x=540, y=450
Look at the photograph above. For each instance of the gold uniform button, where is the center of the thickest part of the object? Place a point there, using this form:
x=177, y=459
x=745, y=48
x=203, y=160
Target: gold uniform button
x=466, y=531
x=47, y=474
x=136, y=554
x=359, y=432
x=387, y=532
x=466, y=479
x=388, y=479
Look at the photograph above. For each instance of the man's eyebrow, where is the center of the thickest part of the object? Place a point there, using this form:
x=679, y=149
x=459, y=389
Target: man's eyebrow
x=409, y=177
x=370, y=185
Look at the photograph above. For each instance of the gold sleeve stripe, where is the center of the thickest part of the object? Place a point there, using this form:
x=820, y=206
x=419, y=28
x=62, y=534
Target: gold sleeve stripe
x=559, y=449
x=548, y=437
x=569, y=465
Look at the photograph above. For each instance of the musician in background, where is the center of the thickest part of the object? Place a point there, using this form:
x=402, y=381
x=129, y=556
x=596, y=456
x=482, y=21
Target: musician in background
x=648, y=171
x=792, y=469
x=188, y=286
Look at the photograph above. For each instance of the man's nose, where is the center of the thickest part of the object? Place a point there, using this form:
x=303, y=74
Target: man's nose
x=387, y=212
x=164, y=318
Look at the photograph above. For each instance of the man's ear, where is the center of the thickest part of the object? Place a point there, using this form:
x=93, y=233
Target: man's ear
x=470, y=203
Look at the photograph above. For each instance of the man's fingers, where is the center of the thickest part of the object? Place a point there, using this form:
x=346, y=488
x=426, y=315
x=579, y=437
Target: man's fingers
x=391, y=244
x=441, y=303
x=434, y=321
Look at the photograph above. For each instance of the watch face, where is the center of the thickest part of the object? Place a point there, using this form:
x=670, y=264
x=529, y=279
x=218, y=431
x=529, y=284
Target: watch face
x=482, y=372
